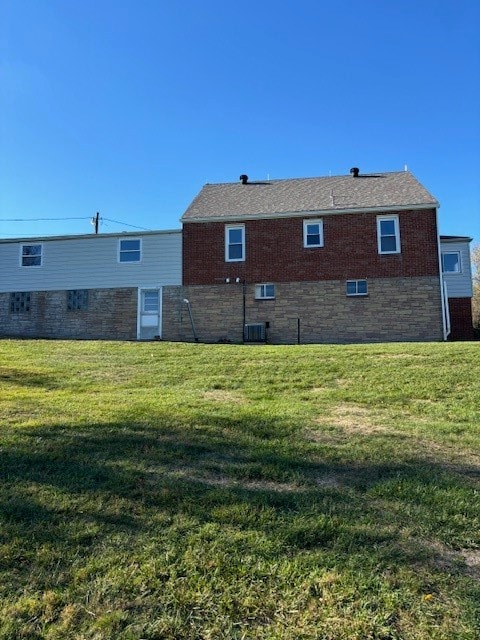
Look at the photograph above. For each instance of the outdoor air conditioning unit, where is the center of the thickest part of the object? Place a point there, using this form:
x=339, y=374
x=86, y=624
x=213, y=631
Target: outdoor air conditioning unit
x=255, y=332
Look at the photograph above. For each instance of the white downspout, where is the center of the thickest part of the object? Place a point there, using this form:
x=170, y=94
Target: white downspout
x=448, y=326
x=443, y=287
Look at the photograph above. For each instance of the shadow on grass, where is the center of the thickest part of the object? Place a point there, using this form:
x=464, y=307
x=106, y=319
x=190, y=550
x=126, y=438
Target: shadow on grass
x=27, y=378
x=78, y=487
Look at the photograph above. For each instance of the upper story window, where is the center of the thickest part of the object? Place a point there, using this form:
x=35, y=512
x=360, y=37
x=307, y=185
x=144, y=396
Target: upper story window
x=264, y=291
x=388, y=234
x=312, y=233
x=451, y=262
x=31, y=255
x=130, y=250
x=234, y=243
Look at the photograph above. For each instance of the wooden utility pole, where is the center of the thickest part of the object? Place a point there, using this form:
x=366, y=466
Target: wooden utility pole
x=95, y=221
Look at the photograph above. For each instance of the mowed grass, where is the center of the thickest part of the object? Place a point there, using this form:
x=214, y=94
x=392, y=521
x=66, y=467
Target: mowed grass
x=173, y=491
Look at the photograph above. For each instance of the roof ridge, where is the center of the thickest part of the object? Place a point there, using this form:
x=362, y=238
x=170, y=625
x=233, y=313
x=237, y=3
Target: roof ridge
x=340, y=175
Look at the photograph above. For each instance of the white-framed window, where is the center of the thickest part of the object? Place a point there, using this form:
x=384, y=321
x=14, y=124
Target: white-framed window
x=20, y=302
x=388, y=234
x=264, y=291
x=451, y=262
x=312, y=233
x=234, y=243
x=31, y=255
x=357, y=288
x=130, y=250
x=150, y=301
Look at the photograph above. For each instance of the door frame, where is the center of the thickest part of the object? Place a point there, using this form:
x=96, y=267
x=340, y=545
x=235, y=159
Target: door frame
x=141, y=289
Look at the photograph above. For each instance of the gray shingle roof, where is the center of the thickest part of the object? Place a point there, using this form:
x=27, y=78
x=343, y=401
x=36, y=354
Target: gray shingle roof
x=281, y=197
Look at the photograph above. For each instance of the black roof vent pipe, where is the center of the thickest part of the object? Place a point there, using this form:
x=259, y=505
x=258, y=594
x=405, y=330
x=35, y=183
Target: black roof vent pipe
x=355, y=171
x=244, y=178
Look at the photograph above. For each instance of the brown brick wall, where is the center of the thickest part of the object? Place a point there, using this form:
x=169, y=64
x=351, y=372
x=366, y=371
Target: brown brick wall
x=275, y=253
x=461, y=319
x=111, y=315
x=396, y=309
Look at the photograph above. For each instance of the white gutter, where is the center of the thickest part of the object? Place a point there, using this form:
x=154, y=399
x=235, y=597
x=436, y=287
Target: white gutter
x=240, y=217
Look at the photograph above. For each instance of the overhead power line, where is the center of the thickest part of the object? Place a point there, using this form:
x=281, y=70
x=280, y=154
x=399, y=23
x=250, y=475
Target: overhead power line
x=41, y=219
x=102, y=218
x=125, y=224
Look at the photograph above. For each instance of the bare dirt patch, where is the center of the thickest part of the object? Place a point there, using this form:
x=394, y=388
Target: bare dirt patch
x=465, y=561
x=331, y=481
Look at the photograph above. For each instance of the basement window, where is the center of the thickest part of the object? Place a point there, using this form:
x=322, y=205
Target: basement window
x=77, y=300
x=357, y=288
x=265, y=292
x=20, y=302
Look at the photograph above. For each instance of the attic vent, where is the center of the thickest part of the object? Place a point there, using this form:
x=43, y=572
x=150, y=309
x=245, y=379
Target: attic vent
x=355, y=171
x=254, y=332
x=244, y=178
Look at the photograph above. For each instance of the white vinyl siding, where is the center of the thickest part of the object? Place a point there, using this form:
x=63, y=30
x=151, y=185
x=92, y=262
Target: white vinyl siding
x=91, y=262
x=459, y=284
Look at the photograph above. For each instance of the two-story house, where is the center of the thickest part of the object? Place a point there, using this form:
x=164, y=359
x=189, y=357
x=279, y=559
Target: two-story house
x=105, y=286
x=353, y=258
x=350, y=258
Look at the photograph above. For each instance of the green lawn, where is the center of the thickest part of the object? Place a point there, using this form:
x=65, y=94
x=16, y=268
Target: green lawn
x=172, y=491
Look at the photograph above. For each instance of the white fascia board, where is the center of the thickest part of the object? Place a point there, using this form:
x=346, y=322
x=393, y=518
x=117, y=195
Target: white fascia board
x=303, y=214
x=89, y=236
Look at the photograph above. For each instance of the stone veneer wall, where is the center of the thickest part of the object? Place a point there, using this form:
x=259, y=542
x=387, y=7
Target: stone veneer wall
x=396, y=309
x=111, y=315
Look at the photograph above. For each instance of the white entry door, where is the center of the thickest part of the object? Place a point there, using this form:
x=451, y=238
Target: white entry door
x=149, y=326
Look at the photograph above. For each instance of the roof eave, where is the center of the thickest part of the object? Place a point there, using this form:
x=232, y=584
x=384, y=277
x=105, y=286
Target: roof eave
x=315, y=212
x=445, y=239
x=89, y=236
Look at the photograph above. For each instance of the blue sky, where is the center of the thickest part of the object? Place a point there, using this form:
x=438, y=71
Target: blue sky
x=128, y=107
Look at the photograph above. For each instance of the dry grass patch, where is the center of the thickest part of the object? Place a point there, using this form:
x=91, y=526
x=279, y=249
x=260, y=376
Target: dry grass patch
x=455, y=456
x=224, y=396
x=349, y=419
